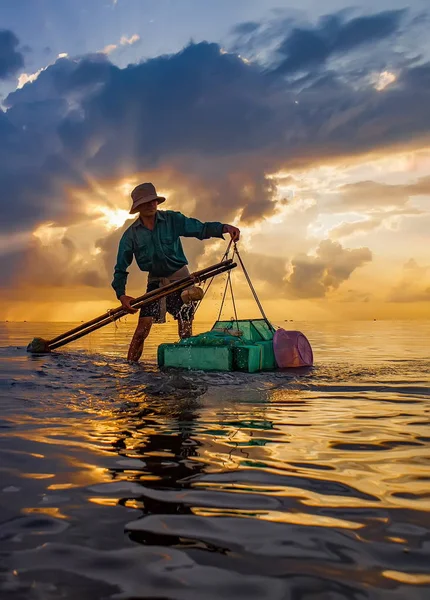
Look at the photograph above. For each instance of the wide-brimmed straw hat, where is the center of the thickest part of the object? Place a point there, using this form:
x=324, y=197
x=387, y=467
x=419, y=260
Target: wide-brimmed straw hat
x=142, y=193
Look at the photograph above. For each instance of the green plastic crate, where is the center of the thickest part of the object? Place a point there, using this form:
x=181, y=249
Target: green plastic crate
x=253, y=353
x=160, y=354
x=253, y=330
x=263, y=329
x=268, y=361
x=196, y=357
x=247, y=358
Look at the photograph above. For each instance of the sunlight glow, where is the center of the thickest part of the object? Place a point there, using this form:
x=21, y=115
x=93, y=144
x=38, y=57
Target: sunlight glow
x=125, y=41
x=125, y=188
x=242, y=58
x=321, y=227
x=385, y=79
x=28, y=78
x=48, y=234
x=13, y=242
x=111, y=218
x=410, y=578
x=109, y=49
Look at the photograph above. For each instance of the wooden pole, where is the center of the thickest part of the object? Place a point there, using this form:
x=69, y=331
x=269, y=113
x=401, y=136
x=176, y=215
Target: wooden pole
x=77, y=333
x=110, y=313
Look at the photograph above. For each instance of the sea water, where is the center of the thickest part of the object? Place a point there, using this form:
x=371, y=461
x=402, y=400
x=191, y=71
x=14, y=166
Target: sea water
x=118, y=481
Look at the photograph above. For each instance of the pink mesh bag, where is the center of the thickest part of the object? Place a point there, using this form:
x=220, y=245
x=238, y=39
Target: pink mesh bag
x=292, y=349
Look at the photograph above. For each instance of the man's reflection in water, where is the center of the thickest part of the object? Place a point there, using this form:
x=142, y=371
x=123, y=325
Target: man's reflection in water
x=167, y=453
x=161, y=434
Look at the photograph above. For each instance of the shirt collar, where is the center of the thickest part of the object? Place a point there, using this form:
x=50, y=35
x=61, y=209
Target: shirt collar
x=160, y=216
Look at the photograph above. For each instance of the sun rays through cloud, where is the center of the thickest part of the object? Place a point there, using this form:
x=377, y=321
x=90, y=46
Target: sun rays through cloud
x=310, y=134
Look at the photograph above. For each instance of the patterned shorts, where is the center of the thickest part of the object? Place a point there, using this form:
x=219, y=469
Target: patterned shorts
x=174, y=306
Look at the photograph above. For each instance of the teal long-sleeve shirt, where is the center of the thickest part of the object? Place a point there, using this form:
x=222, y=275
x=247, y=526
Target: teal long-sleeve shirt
x=159, y=251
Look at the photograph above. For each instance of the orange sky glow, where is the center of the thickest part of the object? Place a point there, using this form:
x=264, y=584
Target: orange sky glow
x=322, y=202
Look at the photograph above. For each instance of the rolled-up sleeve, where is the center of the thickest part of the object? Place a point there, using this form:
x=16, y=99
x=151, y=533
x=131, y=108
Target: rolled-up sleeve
x=188, y=227
x=123, y=261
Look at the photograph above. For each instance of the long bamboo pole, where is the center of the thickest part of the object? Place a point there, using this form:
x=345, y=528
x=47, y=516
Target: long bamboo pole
x=154, y=294
x=141, y=301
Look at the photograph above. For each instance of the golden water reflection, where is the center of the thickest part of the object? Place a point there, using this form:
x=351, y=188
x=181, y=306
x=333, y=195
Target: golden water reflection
x=323, y=474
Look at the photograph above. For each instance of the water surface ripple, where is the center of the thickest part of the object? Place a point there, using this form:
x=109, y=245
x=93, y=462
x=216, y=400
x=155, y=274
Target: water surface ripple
x=118, y=481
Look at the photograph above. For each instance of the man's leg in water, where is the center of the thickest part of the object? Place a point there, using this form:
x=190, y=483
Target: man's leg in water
x=185, y=329
x=136, y=346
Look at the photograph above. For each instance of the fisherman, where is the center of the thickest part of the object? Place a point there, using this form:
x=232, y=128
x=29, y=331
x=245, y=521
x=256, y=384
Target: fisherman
x=153, y=239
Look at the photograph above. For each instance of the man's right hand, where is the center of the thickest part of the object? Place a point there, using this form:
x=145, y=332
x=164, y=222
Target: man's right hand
x=125, y=302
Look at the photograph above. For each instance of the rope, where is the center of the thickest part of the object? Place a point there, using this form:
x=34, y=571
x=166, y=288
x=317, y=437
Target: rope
x=232, y=299
x=254, y=293
x=205, y=290
x=229, y=285
x=222, y=301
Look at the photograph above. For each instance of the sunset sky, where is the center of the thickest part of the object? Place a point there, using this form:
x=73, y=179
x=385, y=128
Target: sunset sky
x=305, y=123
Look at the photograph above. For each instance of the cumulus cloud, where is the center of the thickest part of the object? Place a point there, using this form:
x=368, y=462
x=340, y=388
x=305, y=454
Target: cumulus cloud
x=377, y=204
x=11, y=59
x=306, y=276
x=292, y=46
x=332, y=264
x=269, y=269
x=189, y=113
x=389, y=219
x=310, y=48
x=414, y=284
x=204, y=114
x=28, y=77
x=208, y=128
x=369, y=194
x=60, y=263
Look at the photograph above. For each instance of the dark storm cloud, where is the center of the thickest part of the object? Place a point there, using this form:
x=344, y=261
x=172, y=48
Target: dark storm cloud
x=37, y=193
x=211, y=117
x=245, y=28
x=6, y=127
x=310, y=48
x=60, y=265
x=191, y=112
x=195, y=101
x=11, y=59
x=201, y=120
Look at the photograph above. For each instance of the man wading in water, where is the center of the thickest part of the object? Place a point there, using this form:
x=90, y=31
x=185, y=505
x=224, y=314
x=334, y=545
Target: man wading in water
x=153, y=239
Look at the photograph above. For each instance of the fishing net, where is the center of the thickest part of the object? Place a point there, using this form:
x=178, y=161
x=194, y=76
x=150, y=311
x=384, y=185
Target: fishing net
x=232, y=333
x=253, y=330
x=38, y=346
x=211, y=338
